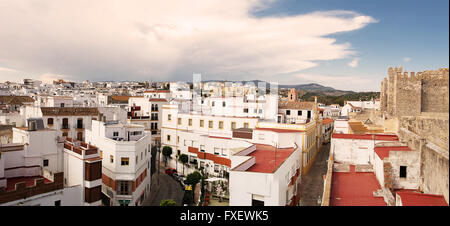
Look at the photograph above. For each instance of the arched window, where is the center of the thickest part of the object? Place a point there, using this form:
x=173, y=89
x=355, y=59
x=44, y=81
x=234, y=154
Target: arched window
x=50, y=121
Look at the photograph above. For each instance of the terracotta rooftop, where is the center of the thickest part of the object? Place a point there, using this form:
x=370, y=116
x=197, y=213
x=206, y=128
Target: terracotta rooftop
x=296, y=105
x=157, y=100
x=69, y=111
x=355, y=189
x=120, y=98
x=16, y=100
x=410, y=198
x=384, y=137
x=265, y=158
x=327, y=120
x=383, y=152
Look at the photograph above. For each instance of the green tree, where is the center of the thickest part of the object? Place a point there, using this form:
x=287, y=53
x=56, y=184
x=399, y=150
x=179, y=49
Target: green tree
x=168, y=202
x=183, y=159
x=167, y=151
x=193, y=178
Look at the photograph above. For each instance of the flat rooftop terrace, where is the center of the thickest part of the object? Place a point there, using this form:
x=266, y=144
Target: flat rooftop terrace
x=355, y=189
x=268, y=158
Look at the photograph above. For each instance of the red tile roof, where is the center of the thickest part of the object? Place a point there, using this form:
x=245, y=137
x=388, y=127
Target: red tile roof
x=384, y=137
x=265, y=158
x=383, y=152
x=410, y=198
x=355, y=189
x=327, y=120
x=280, y=130
x=157, y=100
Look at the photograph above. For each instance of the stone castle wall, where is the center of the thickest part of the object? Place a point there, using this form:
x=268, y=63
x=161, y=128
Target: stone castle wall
x=410, y=94
x=417, y=105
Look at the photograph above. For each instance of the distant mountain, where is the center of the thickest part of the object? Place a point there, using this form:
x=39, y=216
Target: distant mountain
x=309, y=88
x=317, y=88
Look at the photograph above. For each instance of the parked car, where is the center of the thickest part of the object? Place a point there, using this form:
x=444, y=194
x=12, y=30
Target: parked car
x=175, y=176
x=170, y=171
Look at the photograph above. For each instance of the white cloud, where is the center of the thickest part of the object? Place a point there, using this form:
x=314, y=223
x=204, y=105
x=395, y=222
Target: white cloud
x=7, y=69
x=354, y=63
x=160, y=40
x=406, y=59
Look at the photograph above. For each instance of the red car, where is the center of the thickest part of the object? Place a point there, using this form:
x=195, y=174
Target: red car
x=170, y=171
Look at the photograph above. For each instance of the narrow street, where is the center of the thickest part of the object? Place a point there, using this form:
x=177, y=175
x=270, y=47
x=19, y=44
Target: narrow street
x=311, y=194
x=168, y=188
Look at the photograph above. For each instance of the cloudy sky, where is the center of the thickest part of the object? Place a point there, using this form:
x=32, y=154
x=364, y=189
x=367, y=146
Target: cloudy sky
x=343, y=44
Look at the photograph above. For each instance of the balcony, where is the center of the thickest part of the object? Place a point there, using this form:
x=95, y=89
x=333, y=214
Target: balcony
x=65, y=126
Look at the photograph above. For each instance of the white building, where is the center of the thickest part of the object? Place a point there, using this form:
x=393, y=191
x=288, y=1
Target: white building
x=126, y=152
x=71, y=121
x=269, y=172
x=33, y=170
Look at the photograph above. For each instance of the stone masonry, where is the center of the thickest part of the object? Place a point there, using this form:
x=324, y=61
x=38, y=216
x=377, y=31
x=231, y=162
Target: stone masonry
x=417, y=104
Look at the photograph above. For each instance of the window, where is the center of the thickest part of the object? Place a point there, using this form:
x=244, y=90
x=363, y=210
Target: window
x=190, y=122
x=245, y=110
x=402, y=171
x=216, y=168
x=254, y=111
x=62, y=105
x=223, y=104
x=124, y=161
x=115, y=134
x=178, y=139
x=45, y=163
x=201, y=123
x=169, y=117
x=168, y=137
x=58, y=203
x=123, y=185
x=299, y=113
x=137, y=159
x=216, y=151
x=220, y=124
x=233, y=125
x=179, y=121
x=50, y=121
x=260, y=111
x=246, y=125
x=288, y=112
x=309, y=114
x=210, y=124
x=212, y=104
x=257, y=203
x=111, y=159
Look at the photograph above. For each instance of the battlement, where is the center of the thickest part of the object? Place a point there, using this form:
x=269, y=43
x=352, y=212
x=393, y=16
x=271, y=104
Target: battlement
x=397, y=73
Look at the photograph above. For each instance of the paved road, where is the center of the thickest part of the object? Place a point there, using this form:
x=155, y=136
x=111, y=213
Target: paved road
x=312, y=190
x=168, y=188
